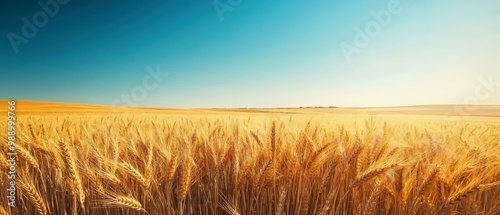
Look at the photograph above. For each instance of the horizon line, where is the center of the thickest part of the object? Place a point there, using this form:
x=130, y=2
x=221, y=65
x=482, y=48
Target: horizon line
x=298, y=107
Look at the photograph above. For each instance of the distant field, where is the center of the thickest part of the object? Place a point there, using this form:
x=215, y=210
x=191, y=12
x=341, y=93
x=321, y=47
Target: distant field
x=451, y=110
x=82, y=159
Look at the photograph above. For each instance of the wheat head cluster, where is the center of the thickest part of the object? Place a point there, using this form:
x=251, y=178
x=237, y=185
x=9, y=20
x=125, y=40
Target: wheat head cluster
x=154, y=164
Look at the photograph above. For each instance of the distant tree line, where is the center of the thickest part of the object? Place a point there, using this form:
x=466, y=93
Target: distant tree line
x=320, y=107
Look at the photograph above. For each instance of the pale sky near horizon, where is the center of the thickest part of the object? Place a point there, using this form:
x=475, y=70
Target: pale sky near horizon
x=262, y=54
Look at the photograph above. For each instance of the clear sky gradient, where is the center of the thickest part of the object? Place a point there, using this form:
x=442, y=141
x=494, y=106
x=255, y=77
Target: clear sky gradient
x=262, y=54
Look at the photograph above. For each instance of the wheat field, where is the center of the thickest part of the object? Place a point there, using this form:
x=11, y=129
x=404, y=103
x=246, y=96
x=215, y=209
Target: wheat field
x=252, y=163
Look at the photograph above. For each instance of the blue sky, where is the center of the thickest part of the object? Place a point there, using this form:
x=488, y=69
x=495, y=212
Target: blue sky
x=262, y=54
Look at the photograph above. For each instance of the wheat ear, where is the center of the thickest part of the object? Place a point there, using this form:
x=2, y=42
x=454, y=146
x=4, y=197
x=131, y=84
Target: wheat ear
x=281, y=203
x=172, y=165
x=135, y=174
x=185, y=179
x=369, y=175
x=24, y=153
x=73, y=171
x=128, y=202
x=35, y=198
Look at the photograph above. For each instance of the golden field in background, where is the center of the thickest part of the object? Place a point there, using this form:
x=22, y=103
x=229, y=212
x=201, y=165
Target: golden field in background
x=78, y=159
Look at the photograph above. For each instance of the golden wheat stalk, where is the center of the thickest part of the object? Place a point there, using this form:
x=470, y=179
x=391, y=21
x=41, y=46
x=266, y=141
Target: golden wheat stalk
x=26, y=155
x=427, y=182
x=304, y=209
x=264, y=172
x=3, y=211
x=185, y=179
x=136, y=175
x=74, y=173
x=328, y=204
x=327, y=176
x=35, y=198
x=3, y=162
x=459, y=197
x=355, y=153
x=126, y=202
x=149, y=165
x=371, y=174
x=273, y=139
x=315, y=157
x=172, y=165
x=371, y=203
x=256, y=138
x=281, y=203
x=230, y=209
